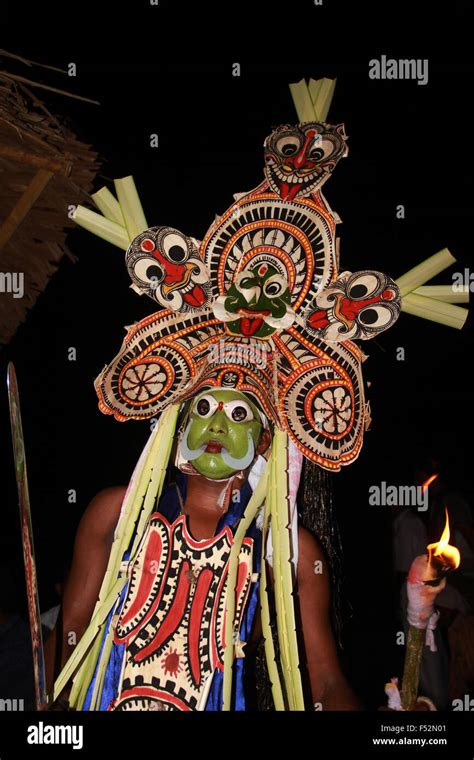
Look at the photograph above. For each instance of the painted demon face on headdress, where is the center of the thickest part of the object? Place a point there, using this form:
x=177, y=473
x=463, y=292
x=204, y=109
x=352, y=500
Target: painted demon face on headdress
x=298, y=160
x=221, y=434
x=257, y=303
x=165, y=264
x=355, y=306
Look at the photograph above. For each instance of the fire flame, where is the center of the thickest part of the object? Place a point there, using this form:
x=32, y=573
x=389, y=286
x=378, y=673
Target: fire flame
x=441, y=554
x=429, y=481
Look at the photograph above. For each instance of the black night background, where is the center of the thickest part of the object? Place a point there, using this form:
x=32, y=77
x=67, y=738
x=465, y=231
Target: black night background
x=408, y=144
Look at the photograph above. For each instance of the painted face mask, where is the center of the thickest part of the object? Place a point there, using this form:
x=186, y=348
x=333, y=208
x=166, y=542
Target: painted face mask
x=359, y=305
x=299, y=159
x=165, y=264
x=257, y=303
x=222, y=433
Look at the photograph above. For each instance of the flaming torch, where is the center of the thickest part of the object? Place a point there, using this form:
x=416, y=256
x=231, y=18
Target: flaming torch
x=429, y=481
x=426, y=579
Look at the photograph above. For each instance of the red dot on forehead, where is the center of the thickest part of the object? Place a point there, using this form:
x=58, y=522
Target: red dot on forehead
x=262, y=269
x=147, y=245
x=220, y=405
x=311, y=133
x=388, y=295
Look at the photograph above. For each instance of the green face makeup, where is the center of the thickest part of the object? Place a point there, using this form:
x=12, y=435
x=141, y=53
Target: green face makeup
x=222, y=433
x=257, y=292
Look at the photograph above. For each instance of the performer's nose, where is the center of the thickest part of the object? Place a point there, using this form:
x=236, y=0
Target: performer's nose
x=218, y=424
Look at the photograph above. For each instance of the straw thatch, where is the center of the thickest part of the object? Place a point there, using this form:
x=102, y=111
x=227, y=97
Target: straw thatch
x=44, y=169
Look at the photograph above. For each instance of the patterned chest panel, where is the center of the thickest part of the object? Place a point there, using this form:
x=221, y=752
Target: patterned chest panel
x=173, y=618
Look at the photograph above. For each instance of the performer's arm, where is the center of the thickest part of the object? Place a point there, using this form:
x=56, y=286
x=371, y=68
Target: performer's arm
x=328, y=684
x=91, y=552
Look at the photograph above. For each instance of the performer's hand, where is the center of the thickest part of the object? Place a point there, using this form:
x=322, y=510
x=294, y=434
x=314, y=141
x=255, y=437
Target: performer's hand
x=422, y=704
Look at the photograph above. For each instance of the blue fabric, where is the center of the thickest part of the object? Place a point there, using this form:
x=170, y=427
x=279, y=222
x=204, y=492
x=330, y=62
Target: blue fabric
x=169, y=507
x=114, y=666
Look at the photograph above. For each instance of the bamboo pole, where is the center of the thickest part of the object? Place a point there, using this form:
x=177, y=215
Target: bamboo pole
x=321, y=92
x=312, y=102
x=302, y=101
x=104, y=228
x=423, y=272
x=108, y=205
x=436, y=311
x=256, y=500
x=131, y=206
x=411, y=671
x=270, y=654
x=444, y=293
x=283, y=538
x=23, y=205
x=37, y=160
x=24, y=80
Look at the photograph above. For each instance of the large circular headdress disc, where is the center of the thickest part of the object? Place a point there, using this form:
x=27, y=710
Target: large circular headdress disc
x=295, y=237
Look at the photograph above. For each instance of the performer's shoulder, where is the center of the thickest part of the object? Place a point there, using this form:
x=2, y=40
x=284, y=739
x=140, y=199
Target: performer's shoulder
x=103, y=511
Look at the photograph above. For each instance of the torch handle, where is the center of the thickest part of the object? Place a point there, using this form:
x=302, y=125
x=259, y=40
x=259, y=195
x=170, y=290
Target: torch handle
x=411, y=671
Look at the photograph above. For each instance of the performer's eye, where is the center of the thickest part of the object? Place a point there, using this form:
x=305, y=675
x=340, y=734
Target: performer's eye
x=149, y=271
x=238, y=411
x=205, y=406
x=175, y=248
x=288, y=146
x=363, y=286
x=375, y=316
x=275, y=286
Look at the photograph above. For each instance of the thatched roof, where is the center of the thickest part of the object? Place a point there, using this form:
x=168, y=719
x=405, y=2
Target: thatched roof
x=44, y=169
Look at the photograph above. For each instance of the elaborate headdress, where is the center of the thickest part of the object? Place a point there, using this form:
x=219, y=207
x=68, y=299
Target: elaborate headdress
x=257, y=306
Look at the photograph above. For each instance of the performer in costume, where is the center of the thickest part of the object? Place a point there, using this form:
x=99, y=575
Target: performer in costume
x=168, y=643
x=253, y=345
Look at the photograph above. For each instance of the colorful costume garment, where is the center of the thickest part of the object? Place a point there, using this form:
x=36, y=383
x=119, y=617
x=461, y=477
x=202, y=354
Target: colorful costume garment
x=170, y=619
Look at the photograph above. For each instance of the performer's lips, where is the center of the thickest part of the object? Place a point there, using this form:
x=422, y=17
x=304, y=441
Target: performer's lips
x=214, y=447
